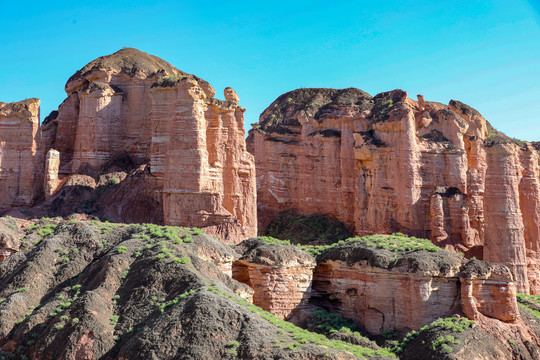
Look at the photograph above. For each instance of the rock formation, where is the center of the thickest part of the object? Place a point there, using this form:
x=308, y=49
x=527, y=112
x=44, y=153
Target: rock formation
x=10, y=237
x=19, y=124
x=190, y=145
x=388, y=163
x=52, y=165
x=387, y=284
x=382, y=290
x=280, y=276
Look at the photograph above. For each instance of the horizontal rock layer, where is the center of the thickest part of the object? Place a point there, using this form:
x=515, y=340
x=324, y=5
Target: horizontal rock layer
x=382, y=290
x=280, y=276
x=19, y=124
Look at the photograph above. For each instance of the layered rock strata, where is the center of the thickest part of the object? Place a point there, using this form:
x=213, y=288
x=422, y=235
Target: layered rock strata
x=198, y=155
x=19, y=123
x=137, y=104
x=382, y=290
x=279, y=275
x=388, y=163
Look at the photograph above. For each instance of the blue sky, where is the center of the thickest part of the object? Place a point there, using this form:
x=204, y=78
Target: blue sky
x=484, y=53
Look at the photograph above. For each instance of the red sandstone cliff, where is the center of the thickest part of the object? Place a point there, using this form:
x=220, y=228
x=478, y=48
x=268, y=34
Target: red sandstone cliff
x=186, y=150
x=280, y=276
x=19, y=124
x=388, y=163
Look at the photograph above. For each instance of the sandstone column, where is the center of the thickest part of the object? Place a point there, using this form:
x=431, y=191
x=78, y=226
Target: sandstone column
x=99, y=112
x=52, y=164
x=19, y=124
x=504, y=237
x=529, y=200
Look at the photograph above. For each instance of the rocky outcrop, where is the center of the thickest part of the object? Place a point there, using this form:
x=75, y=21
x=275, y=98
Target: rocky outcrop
x=380, y=289
x=19, y=122
x=388, y=163
x=10, y=237
x=198, y=154
x=279, y=275
x=190, y=146
x=52, y=165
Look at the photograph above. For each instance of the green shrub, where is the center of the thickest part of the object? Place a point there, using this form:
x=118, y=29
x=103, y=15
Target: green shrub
x=32, y=227
x=445, y=343
x=46, y=231
x=181, y=260
x=121, y=249
x=330, y=323
x=454, y=324
x=187, y=238
x=163, y=305
x=305, y=229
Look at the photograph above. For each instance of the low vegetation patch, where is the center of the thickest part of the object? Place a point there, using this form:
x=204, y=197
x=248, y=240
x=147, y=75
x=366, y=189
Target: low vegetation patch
x=306, y=229
x=299, y=336
x=530, y=303
x=452, y=324
x=397, y=243
x=163, y=305
x=329, y=323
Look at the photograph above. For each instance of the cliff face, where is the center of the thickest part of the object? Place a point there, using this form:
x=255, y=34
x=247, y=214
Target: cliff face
x=19, y=124
x=388, y=163
x=199, y=156
x=190, y=146
x=280, y=276
x=383, y=290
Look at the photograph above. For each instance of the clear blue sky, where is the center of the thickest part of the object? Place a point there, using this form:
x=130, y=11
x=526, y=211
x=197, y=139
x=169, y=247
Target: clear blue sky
x=484, y=53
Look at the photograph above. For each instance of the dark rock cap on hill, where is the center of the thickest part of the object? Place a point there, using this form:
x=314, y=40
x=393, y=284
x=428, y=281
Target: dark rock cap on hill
x=128, y=62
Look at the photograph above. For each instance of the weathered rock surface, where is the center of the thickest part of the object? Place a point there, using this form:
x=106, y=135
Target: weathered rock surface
x=279, y=275
x=52, y=165
x=199, y=157
x=167, y=122
x=388, y=163
x=10, y=237
x=19, y=122
x=380, y=289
